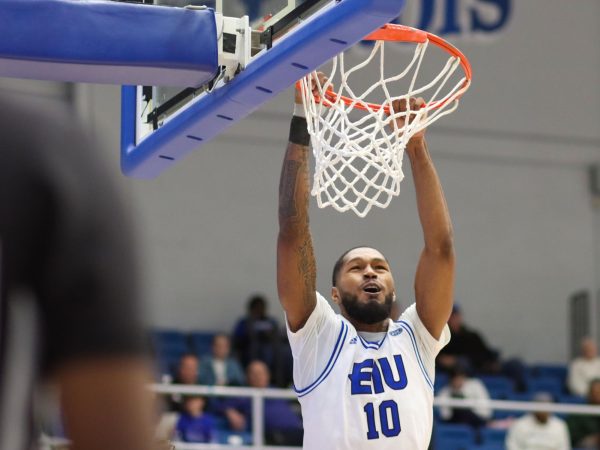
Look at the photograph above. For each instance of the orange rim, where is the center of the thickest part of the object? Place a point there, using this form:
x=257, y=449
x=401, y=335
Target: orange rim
x=402, y=33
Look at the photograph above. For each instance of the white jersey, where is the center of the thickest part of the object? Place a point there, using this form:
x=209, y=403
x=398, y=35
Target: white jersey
x=359, y=395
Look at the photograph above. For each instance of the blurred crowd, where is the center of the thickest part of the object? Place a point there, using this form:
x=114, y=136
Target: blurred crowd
x=255, y=355
x=468, y=368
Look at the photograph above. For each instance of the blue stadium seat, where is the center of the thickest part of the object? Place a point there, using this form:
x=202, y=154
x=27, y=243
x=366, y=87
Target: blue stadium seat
x=575, y=399
x=169, y=336
x=452, y=437
x=558, y=371
x=492, y=436
x=201, y=342
x=486, y=447
x=441, y=379
x=500, y=414
x=220, y=423
x=499, y=387
x=170, y=343
x=521, y=396
x=550, y=385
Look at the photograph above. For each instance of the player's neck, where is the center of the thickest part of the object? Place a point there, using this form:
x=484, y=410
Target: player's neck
x=369, y=327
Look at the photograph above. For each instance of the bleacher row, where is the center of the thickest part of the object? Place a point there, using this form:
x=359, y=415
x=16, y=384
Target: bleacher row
x=463, y=437
x=169, y=345
x=551, y=378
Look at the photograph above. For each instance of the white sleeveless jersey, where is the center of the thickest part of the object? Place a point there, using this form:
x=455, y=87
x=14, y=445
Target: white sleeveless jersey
x=360, y=395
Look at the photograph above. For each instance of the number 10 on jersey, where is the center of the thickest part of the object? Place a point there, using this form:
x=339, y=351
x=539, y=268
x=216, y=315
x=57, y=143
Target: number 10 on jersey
x=384, y=419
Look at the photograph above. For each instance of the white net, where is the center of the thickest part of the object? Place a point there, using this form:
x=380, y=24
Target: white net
x=359, y=146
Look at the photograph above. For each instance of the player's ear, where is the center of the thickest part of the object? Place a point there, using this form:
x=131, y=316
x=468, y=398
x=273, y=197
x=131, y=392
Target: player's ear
x=335, y=295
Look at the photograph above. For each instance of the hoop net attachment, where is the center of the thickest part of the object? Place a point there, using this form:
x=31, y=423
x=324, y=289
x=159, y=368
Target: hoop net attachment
x=358, y=145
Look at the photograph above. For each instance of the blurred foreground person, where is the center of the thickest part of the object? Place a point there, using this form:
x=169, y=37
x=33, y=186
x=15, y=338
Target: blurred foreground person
x=68, y=287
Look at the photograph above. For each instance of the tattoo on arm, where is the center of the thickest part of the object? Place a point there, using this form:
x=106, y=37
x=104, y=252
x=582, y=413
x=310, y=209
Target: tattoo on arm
x=297, y=268
x=307, y=267
x=287, y=189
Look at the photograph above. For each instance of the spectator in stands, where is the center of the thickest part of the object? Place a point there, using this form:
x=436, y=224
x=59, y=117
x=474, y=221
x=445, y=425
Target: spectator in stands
x=193, y=424
x=585, y=430
x=256, y=336
x=220, y=368
x=283, y=424
x=468, y=348
x=461, y=386
x=188, y=369
x=539, y=430
x=584, y=368
x=187, y=373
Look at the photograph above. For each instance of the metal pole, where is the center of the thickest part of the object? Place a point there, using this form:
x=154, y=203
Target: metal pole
x=258, y=426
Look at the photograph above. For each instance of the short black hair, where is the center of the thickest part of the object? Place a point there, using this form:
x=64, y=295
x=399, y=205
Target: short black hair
x=340, y=262
x=459, y=370
x=256, y=300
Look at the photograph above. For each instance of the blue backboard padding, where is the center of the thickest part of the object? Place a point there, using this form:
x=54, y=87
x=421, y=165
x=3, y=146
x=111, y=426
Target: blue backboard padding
x=342, y=24
x=107, y=42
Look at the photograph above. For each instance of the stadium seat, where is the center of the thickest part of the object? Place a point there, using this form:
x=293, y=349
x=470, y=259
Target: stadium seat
x=441, y=379
x=501, y=414
x=452, y=437
x=169, y=336
x=558, y=371
x=520, y=396
x=170, y=343
x=499, y=387
x=201, y=342
x=575, y=399
x=485, y=447
x=550, y=385
x=492, y=436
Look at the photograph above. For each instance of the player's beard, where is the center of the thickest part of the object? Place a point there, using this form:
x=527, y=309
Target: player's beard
x=368, y=313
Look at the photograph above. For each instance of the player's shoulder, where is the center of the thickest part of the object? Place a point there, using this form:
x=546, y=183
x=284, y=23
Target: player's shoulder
x=324, y=307
x=408, y=316
x=322, y=317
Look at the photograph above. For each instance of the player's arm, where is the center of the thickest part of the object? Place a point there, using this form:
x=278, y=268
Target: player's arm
x=434, y=280
x=296, y=267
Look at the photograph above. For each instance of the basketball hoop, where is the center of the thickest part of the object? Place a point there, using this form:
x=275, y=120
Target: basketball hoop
x=357, y=144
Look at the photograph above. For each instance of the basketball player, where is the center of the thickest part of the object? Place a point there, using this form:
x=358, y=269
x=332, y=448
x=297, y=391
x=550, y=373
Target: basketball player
x=68, y=290
x=363, y=380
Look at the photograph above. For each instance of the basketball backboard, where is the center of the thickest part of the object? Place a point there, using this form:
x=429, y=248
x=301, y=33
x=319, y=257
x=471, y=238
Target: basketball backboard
x=260, y=12
x=264, y=47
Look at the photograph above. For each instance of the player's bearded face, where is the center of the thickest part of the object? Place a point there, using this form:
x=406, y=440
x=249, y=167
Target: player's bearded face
x=368, y=312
